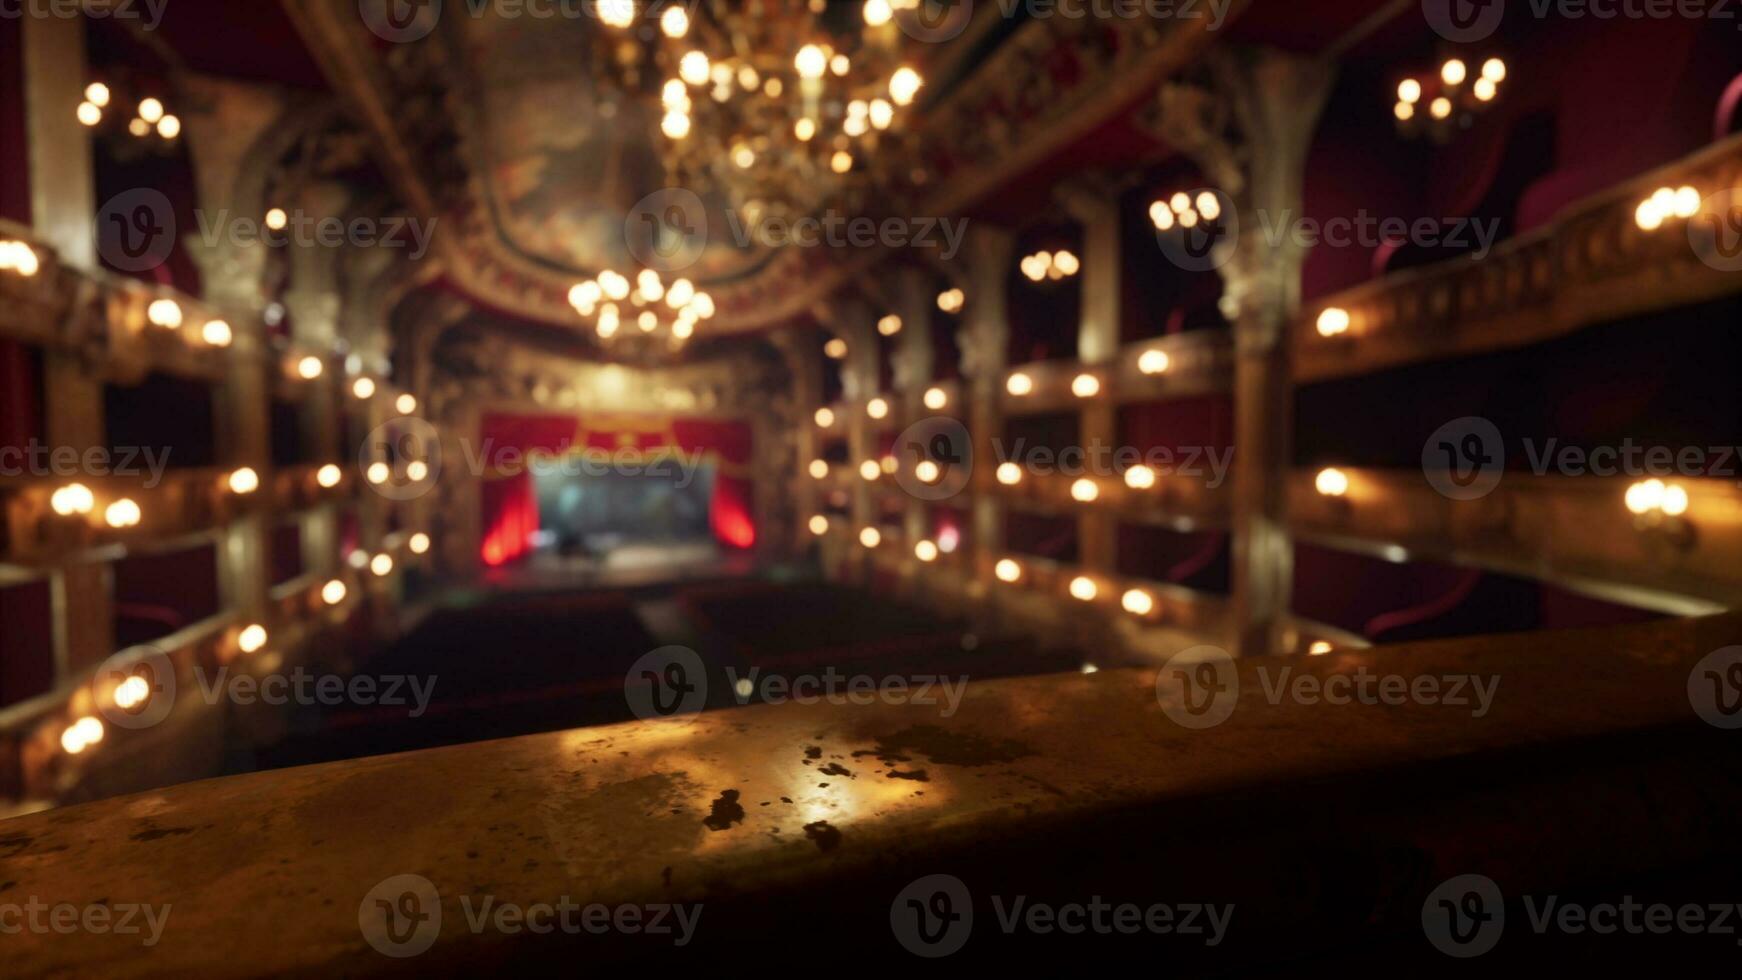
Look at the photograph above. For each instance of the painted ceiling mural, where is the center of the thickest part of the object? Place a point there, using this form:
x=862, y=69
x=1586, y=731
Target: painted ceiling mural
x=561, y=162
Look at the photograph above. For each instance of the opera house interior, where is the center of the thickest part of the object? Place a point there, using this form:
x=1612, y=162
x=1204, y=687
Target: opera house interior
x=1236, y=487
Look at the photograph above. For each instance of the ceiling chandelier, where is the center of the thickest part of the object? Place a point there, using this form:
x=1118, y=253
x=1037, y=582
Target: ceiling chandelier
x=647, y=314
x=779, y=106
x=1441, y=103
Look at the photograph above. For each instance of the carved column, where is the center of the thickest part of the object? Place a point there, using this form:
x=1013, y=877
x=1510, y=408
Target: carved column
x=910, y=298
x=1249, y=125
x=984, y=340
x=1096, y=209
x=804, y=365
x=313, y=300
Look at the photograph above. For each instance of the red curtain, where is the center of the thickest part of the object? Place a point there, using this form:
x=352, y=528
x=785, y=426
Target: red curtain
x=511, y=505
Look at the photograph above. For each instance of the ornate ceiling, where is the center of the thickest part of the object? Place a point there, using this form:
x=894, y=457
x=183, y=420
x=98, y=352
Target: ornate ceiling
x=498, y=127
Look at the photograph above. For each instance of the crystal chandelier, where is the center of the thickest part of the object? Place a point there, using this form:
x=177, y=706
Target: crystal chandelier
x=645, y=313
x=779, y=106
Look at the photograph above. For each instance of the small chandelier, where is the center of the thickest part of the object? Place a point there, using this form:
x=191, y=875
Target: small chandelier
x=1447, y=101
x=647, y=308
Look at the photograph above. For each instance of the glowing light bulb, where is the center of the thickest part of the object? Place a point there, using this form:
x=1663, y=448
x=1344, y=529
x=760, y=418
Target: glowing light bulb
x=151, y=110
x=676, y=124
x=811, y=62
x=869, y=470
x=132, y=692
x=1019, y=385
x=889, y=326
x=904, y=85
x=841, y=162
x=1454, y=71
x=1675, y=500
x=819, y=469
x=1138, y=602
x=936, y=399
x=1648, y=216
x=164, y=313
x=877, y=408
x=97, y=94
x=277, y=219
x=882, y=114
x=1140, y=478
x=1086, y=386
x=90, y=113
x=805, y=129
x=1441, y=107
x=1687, y=202
x=870, y=537
x=381, y=565
x=1084, y=588
x=1085, y=491
x=1494, y=70
x=169, y=127
x=926, y=551
x=1409, y=91
x=1319, y=648
x=819, y=525
x=419, y=543
x=417, y=471
x=878, y=12
x=244, y=481
x=252, y=639
x=1333, y=321
x=309, y=368
x=123, y=513
x=363, y=388
x=334, y=592
x=927, y=471
x=693, y=68
x=378, y=473
x=1485, y=90
x=1008, y=571
x=675, y=22
x=825, y=418
x=1009, y=474
x=1154, y=362
x=1332, y=482
x=406, y=404
x=74, y=498
x=329, y=476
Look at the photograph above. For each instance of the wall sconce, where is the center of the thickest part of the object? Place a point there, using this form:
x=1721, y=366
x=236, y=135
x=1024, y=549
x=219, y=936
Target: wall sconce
x=1449, y=102
x=1054, y=266
x=122, y=514
x=1138, y=602
x=1332, y=482
x=1661, y=509
x=1666, y=203
x=1181, y=210
x=165, y=313
x=1140, y=477
x=74, y=499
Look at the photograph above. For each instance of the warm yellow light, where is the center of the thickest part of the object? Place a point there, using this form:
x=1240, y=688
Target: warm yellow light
x=1154, y=362
x=277, y=219
x=1334, y=321
x=1409, y=91
x=648, y=321
x=416, y=471
x=869, y=470
x=1485, y=90
x=1085, y=491
x=1332, y=482
x=329, y=476
x=926, y=551
x=1084, y=588
x=1675, y=500
x=1008, y=571
x=889, y=326
x=840, y=64
x=81, y=735
x=363, y=388
x=381, y=565
x=309, y=368
x=74, y=498
x=1645, y=497
x=123, y=513
x=244, y=481
x=811, y=62
x=1404, y=111
x=825, y=417
x=927, y=471
x=1649, y=216
x=132, y=692
x=419, y=543
x=1019, y=384
x=744, y=156
x=675, y=22
x=217, y=333
x=617, y=13
x=252, y=639
x=97, y=94
x=378, y=473
x=334, y=592
x=89, y=113
x=819, y=525
x=1687, y=202
x=693, y=68
x=1086, y=386
x=870, y=537
x=936, y=399
x=20, y=258
x=151, y=110
x=406, y=404
x=881, y=113
x=877, y=408
x=1454, y=71
x=675, y=125
x=1441, y=108
x=138, y=127
x=1161, y=216
x=805, y=129
x=878, y=12
x=1138, y=602
x=904, y=85
x=841, y=162
x=1140, y=478
x=952, y=300
x=164, y=313
x=1319, y=648
x=169, y=127
x=1009, y=474
x=1494, y=70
